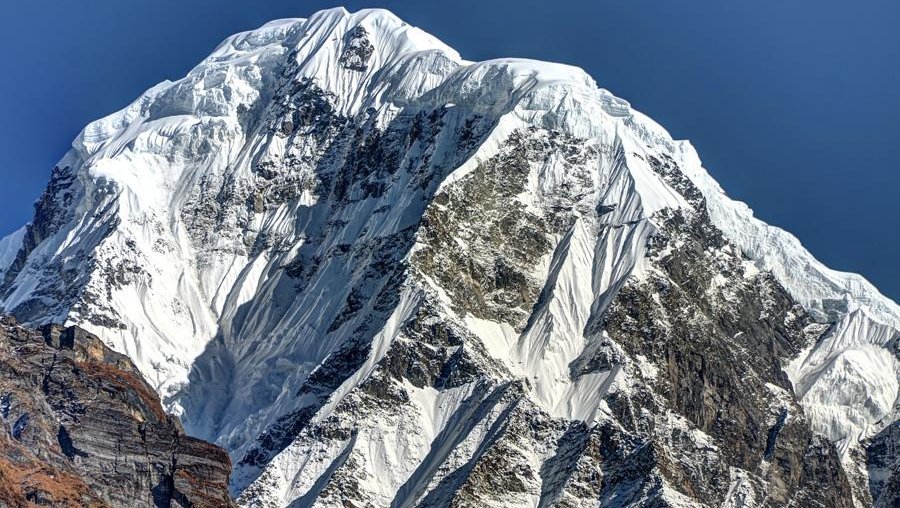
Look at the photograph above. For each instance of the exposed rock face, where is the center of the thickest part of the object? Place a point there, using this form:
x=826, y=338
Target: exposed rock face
x=717, y=337
x=380, y=275
x=883, y=463
x=357, y=50
x=82, y=428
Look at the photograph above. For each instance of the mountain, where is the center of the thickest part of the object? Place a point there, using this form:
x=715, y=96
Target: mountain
x=82, y=428
x=381, y=275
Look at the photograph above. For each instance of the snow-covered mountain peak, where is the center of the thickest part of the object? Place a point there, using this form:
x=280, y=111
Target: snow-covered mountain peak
x=335, y=228
x=343, y=52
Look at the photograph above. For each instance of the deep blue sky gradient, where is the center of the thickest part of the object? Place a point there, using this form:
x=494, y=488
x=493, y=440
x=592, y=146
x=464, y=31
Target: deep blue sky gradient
x=794, y=105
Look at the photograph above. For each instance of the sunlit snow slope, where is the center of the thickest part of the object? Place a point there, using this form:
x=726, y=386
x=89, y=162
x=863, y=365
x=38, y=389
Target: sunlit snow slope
x=378, y=273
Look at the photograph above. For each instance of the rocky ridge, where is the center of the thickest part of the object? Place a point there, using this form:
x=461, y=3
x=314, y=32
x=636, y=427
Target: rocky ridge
x=82, y=428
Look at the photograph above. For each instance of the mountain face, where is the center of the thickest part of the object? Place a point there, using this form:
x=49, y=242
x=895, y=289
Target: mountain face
x=381, y=275
x=82, y=428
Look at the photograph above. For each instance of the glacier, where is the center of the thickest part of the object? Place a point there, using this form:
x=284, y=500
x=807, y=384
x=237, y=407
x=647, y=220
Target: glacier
x=323, y=200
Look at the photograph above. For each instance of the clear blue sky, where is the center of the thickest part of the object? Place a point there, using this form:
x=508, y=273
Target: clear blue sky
x=793, y=105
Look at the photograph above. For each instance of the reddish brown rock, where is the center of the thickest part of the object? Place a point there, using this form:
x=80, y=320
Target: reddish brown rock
x=81, y=427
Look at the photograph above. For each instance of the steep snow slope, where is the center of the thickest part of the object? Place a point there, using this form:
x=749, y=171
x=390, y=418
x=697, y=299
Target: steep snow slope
x=334, y=229
x=9, y=247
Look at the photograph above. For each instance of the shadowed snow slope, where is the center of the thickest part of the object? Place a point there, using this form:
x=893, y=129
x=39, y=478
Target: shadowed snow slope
x=379, y=274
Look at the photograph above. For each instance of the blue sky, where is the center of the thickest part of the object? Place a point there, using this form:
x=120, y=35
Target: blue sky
x=794, y=106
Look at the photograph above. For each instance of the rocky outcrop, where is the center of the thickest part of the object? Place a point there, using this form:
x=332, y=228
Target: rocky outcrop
x=883, y=463
x=81, y=427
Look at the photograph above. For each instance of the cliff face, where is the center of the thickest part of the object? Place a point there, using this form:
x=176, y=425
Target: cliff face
x=81, y=427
